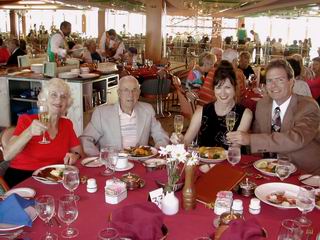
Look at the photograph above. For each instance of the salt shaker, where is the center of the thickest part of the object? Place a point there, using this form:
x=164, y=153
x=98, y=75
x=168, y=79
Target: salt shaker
x=92, y=185
x=254, y=207
x=237, y=206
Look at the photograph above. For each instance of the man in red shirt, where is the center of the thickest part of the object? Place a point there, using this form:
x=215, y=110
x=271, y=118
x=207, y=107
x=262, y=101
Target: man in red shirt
x=314, y=83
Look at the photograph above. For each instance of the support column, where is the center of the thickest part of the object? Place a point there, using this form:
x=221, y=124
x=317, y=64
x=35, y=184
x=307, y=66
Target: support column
x=154, y=11
x=216, y=39
x=13, y=26
x=101, y=22
x=83, y=23
x=24, y=25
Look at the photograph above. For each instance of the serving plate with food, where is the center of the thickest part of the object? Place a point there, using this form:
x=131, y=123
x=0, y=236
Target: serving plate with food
x=280, y=195
x=141, y=152
x=212, y=154
x=267, y=166
x=51, y=174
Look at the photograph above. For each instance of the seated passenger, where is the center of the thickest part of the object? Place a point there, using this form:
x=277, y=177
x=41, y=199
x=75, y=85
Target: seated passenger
x=209, y=121
x=244, y=64
x=285, y=123
x=24, y=151
x=90, y=54
x=196, y=75
x=314, y=83
x=128, y=123
x=15, y=51
x=130, y=56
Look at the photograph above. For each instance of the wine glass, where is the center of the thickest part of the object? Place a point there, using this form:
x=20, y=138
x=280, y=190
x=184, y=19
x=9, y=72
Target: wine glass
x=283, y=168
x=305, y=203
x=68, y=213
x=178, y=124
x=230, y=120
x=109, y=234
x=234, y=155
x=45, y=209
x=150, y=63
x=71, y=180
x=43, y=118
x=109, y=156
x=290, y=229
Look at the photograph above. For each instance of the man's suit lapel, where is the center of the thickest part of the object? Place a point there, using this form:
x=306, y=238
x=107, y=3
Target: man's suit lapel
x=115, y=128
x=141, y=119
x=286, y=122
x=267, y=118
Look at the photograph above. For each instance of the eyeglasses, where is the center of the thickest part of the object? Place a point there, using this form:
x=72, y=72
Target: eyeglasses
x=55, y=95
x=128, y=91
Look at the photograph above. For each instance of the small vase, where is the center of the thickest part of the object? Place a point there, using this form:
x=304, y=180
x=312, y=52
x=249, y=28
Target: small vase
x=170, y=204
x=189, y=189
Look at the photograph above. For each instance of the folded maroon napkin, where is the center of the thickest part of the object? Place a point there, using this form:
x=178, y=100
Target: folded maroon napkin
x=141, y=221
x=243, y=230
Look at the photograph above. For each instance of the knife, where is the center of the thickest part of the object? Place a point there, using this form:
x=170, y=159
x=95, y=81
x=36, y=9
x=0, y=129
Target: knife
x=305, y=178
x=91, y=161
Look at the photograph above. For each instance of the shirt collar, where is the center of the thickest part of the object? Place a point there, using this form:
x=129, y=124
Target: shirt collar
x=283, y=107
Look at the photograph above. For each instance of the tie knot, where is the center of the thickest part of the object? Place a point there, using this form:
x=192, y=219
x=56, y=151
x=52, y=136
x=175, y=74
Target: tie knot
x=277, y=110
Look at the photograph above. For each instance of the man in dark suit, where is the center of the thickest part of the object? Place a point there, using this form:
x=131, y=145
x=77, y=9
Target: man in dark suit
x=15, y=50
x=285, y=123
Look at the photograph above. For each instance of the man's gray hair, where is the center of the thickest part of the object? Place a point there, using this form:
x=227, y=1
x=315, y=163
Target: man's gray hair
x=230, y=55
x=128, y=77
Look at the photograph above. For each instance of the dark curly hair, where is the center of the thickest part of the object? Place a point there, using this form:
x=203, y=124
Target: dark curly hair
x=224, y=71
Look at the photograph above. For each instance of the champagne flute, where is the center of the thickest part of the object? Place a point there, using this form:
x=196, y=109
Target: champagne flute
x=305, y=203
x=178, y=124
x=230, y=120
x=45, y=209
x=71, y=180
x=43, y=118
x=234, y=155
x=109, y=156
x=68, y=213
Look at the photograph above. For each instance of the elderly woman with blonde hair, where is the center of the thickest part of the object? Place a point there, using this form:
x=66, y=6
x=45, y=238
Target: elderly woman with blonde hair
x=24, y=150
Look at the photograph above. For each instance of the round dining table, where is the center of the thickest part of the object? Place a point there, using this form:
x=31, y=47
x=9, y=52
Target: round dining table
x=94, y=211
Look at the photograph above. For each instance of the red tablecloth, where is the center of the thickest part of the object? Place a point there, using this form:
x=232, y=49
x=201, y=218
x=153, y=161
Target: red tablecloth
x=144, y=72
x=94, y=212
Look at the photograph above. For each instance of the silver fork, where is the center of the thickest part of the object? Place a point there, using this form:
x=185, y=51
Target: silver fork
x=309, y=233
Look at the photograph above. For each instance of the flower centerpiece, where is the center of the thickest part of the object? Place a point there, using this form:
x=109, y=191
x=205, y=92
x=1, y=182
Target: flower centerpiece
x=177, y=159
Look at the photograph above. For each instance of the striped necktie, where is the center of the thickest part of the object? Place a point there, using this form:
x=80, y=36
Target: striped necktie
x=276, y=120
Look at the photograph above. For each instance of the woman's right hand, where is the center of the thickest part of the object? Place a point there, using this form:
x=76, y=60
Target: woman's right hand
x=176, y=138
x=37, y=128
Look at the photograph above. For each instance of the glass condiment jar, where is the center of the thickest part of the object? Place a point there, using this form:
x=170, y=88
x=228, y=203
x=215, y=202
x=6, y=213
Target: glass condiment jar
x=133, y=181
x=227, y=217
x=247, y=187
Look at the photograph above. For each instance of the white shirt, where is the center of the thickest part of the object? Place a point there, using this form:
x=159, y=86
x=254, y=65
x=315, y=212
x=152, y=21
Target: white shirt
x=57, y=43
x=283, y=108
x=128, y=129
x=102, y=46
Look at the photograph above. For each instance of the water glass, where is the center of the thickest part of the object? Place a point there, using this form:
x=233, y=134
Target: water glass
x=108, y=234
x=45, y=209
x=109, y=157
x=234, y=155
x=305, y=203
x=178, y=124
x=68, y=213
x=290, y=230
x=71, y=180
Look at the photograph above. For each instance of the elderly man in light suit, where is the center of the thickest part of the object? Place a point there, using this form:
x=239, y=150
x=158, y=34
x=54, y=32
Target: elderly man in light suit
x=296, y=133
x=124, y=124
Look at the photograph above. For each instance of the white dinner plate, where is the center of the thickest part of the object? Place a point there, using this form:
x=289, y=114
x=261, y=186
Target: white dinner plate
x=313, y=181
x=264, y=190
x=43, y=180
x=269, y=160
x=89, y=75
x=153, y=150
x=206, y=167
x=214, y=160
x=128, y=167
x=317, y=192
x=22, y=192
x=92, y=162
x=31, y=211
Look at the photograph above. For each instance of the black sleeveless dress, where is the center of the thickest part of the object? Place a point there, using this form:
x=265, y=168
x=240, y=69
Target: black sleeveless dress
x=213, y=128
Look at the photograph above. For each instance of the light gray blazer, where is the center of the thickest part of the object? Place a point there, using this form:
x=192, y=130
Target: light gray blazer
x=104, y=128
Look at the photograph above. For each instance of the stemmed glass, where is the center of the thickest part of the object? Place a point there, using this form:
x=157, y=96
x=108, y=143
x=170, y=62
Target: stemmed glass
x=71, y=180
x=230, y=120
x=68, y=213
x=283, y=168
x=305, y=203
x=45, y=209
x=109, y=156
x=150, y=63
x=43, y=118
x=234, y=155
x=178, y=124
x=290, y=229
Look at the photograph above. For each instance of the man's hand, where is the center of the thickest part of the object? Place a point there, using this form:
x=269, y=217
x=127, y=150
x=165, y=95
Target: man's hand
x=239, y=137
x=71, y=158
x=176, y=138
